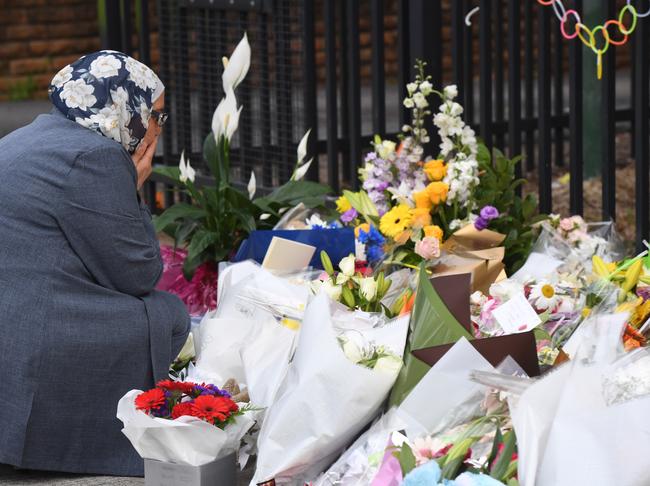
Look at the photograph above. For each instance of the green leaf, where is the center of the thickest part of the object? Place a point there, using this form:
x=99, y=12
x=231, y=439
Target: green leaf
x=178, y=211
x=363, y=204
x=498, y=439
x=294, y=192
x=500, y=466
x=172, y=172
x=196, y=251
x=406, y=458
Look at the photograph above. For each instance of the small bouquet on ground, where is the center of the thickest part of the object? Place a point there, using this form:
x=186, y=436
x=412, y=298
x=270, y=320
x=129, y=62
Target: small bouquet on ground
x=184, y=423
x=353, y=285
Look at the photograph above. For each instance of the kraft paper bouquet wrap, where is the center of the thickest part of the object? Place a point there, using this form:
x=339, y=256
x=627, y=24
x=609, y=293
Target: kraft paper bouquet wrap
x=328, y=395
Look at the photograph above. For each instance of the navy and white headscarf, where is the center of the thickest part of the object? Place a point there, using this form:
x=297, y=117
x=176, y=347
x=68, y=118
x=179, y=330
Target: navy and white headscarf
x=110, y=93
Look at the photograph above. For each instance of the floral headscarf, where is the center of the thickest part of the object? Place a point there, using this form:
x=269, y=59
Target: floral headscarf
x=108, y=92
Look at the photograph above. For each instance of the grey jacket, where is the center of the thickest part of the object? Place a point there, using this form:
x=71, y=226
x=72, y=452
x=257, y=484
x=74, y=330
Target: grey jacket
x=80, y=321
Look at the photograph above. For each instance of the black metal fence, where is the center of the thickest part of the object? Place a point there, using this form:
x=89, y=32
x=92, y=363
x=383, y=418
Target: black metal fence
x=524, y=88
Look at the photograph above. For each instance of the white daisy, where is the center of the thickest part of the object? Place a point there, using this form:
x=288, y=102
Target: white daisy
x=105, y=66
x=78, y=94
x=62, y=77
x=544, y=296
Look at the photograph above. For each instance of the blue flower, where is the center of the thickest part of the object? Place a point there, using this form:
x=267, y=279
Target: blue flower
x=426, y=475
x=374, y=253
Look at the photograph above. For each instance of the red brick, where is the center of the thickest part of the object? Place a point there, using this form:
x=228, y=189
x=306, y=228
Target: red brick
x=13, y=16
x=29, y=66
x=77, y=13
x=69, y=30
x=61, y=46
x=12, y=50
x=20, y=32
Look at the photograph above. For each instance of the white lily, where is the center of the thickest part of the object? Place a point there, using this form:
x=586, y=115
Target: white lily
x=252, y=186
x=226, y=117
x=334, y=291
x=187, y=172
x=237, y=66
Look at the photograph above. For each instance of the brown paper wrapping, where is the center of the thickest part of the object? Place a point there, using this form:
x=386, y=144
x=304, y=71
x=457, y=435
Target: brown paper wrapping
x=475, y=252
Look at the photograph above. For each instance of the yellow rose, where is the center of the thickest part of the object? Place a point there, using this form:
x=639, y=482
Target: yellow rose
x=403, y=237
x=343, y=205
x=438, y=192
x=422, y=200
x=433, y=230
x=421, y=217
x=365, y=227
x=435, y=169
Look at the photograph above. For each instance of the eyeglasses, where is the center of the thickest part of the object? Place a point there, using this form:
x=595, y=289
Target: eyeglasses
x=160, y=117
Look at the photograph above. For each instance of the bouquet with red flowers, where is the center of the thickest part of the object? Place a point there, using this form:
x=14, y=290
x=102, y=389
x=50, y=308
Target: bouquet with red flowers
x=184, y=423
x=174, y=399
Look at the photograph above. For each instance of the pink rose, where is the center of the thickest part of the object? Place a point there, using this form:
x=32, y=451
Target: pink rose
x=428, y=247
x=567, y=224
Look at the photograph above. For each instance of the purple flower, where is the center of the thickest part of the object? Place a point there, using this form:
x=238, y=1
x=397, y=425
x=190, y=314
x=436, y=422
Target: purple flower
x=349, y=215
x=489, y=213
x=481, y=223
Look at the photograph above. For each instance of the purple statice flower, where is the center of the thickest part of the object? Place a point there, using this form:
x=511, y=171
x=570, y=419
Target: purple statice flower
x=350, y=215
x=489, y=213
x=209, y=389
x=481, y=223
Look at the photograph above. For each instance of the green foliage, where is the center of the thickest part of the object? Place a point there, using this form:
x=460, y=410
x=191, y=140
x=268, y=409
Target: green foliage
x=406, y=458
x=518, y=215
x=220, y=216
x=23, y=89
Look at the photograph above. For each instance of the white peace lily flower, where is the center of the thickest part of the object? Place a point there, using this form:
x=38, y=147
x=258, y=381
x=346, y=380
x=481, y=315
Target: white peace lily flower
x=252, y=186
x=237, y=66
x=450, y=91
x=347, y=266
x=187, y=172
x=264, y=216
x=187, y=351
x=105, y=66
x=351, y=350
x=332, y=290
x=62, y=77
x=78, y=94
x=368, y=288
x=302, y=147
x=389, y=364
x=226, y=117
x=300, y=172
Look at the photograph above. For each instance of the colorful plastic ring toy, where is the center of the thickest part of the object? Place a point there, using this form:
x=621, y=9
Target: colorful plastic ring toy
x=620, y=28
x=635, y=17
x=563, y=23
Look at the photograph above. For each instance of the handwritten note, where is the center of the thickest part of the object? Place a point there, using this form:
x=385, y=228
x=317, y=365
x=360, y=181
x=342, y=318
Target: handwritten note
x=516, y=315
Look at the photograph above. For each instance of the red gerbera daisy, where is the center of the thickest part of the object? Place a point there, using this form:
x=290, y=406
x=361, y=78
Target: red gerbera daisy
x=150, y=399
x=212, y=409
x=182, y=386
x=183, y=408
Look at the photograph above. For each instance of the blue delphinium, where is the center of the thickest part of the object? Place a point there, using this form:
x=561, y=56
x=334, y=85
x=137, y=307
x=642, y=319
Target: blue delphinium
x=374, y=242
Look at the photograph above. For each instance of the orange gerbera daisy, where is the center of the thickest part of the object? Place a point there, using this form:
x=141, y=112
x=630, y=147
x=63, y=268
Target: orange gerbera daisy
x=213, y=409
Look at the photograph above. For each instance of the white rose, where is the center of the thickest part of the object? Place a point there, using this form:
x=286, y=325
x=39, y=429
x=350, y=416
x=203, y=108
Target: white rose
x=78, y=94
x=351, y=350
x=347, y=266
x=105, y=66
x=451, y=91
x=389, y=365
x=62, y=77
x=368, y=288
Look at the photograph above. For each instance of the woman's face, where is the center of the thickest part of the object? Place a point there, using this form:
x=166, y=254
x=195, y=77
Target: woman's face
x=143, y=155
x=153, y=130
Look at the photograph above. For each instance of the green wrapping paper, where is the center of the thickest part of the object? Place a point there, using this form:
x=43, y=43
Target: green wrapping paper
x=431, y=324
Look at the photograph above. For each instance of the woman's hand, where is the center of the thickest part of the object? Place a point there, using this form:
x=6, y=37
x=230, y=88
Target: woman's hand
x=142, y=158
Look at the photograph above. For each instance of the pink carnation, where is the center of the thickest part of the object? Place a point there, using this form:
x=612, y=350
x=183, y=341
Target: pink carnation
x=567, y=224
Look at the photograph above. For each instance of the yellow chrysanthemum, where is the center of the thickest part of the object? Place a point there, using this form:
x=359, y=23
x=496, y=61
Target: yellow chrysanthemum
x=395, y=221
x=343, y=205
x=433, y=230
x=438, y=192
x=421, y=217
x=435, y=169
x=422, y=200
x=364, y=226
